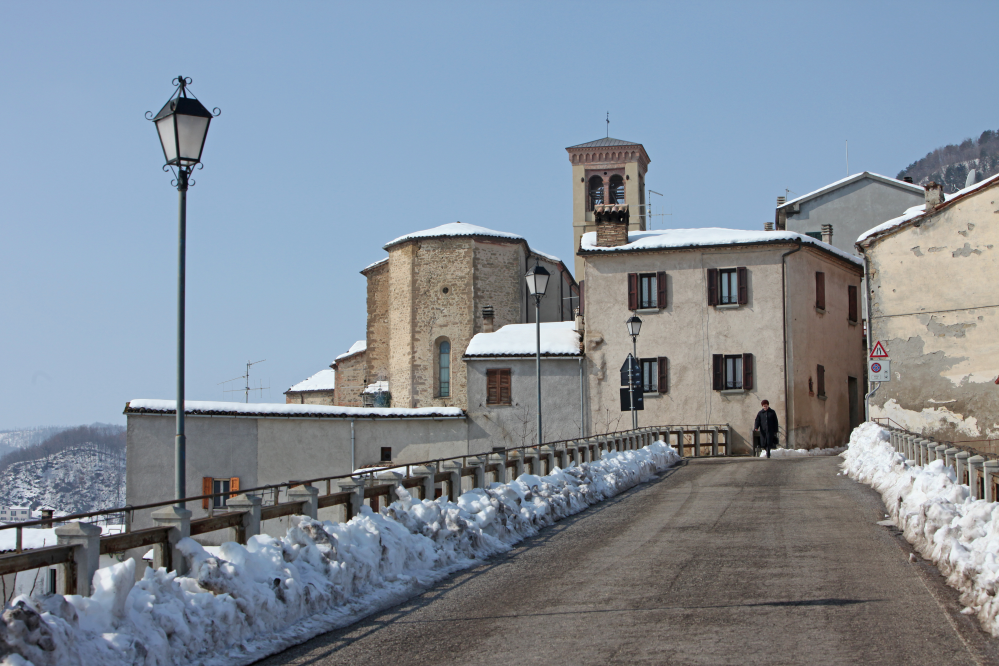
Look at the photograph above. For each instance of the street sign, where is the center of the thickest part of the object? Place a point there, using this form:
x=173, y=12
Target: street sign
x=626, y=399
x=879, y=370
x=879, y=351
x=631, y=373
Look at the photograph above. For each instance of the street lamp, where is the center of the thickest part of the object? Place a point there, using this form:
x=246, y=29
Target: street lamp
x=537, y=283
x=182, y=125
x=634, y=325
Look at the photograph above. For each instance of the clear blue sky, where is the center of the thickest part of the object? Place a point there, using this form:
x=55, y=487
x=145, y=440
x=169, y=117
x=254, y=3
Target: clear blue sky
x=345, y=125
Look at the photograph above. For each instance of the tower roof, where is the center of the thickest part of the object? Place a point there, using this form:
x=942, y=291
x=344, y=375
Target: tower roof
x=605, y=143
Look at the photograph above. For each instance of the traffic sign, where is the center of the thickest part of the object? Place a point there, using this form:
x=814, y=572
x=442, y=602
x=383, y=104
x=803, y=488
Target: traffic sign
x=626, y=399
x=879, y=370
x=879, y=351
x=631, y=373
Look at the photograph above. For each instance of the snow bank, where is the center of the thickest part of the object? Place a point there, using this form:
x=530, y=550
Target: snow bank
x=938, y=517
x=250, y=601
x=791, y=453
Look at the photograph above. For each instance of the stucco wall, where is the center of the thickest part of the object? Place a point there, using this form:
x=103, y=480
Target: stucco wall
x=934, y=305
x=516, y=424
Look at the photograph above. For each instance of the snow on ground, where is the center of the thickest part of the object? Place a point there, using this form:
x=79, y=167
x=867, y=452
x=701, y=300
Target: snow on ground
x=250, y=601
x=791, y=453
x=958, y=534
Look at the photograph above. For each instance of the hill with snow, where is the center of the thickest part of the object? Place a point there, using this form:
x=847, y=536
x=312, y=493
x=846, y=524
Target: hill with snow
x=11, y=440
x=950, y=165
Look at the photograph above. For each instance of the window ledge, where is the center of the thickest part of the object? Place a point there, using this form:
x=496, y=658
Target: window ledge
x=822, y=397
x=732, y=391
x=648, y=310
x=727, y=306
x=651, y=394
x=851, y=322
x=821, y=311
x=499, y=404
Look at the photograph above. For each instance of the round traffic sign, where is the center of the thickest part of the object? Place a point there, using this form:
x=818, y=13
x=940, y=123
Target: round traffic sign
x=875, y=367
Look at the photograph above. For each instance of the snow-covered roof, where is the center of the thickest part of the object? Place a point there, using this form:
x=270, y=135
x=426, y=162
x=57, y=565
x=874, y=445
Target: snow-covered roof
x=668, y=239
x=376, y=387
x=324, y=380
x=212, y=408
x=557, y=339
x=377, y=263
x=920, y=210
x=454, y=229
x=848, y=180
x=544, y=255
x=606, y=142
x=356, y=348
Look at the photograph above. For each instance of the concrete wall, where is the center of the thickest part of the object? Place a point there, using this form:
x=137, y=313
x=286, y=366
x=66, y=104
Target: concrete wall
x=853, y=209
x=934, y=305
x=516, y=424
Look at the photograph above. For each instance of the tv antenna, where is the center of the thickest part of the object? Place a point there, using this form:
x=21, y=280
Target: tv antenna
x=649, y=212
x=246, y=379
x=608, y=124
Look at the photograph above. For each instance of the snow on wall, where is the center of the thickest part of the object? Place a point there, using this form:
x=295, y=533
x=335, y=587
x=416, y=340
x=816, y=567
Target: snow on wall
x=937, y=515
x=206, y=407
x=453, y=229
x=559, y=338
x=929, y=420
x=246, y=602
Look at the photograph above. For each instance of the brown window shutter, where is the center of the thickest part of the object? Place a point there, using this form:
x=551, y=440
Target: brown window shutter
x=712, y=286
x=821, y=372
x=663, y=374
x=852, y=295
x=743, y=278
x=661, y=289
x=820, y=290
x=206, y=489
x=504, y=387
x=492, y=387
x=582, y=300
x=632, y=291
x=747, y=372
x=718, y=370
x=233, y=486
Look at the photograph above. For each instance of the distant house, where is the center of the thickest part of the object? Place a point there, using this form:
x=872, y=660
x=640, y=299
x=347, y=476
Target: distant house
x=14, y=514
x=319, y=389
x=932, y=274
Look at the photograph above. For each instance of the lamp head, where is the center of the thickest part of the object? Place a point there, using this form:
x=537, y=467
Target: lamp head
x=537, y=280
x=634, y=325
x=182, y=124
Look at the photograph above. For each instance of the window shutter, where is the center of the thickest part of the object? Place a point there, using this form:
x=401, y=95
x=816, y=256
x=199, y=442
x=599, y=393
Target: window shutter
x=852, y=295
x=661, y=289
x=747, y=372
x=206, y=489
x=234, y=486
x=582, y=300
x=663, y=374
x=821, y=372
x=632, y=291
x=492, y=387
x=504, y=387
x=820, y=290
x=712, y=286
x=743, y=278
x=717, y=367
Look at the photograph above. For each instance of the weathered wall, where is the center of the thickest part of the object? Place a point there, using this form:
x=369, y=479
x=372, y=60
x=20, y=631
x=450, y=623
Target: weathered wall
x=310, y=397
x=823, y=338
x=497, y=275
x=378, y=328
x=516, y=424
x=351, y=376
x=934, y=304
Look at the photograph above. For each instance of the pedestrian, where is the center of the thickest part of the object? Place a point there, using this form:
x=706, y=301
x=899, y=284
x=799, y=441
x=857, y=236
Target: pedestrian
x=766, y=425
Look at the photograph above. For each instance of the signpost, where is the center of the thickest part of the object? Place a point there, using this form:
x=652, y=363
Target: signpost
x=631, y=382
x=879, y=370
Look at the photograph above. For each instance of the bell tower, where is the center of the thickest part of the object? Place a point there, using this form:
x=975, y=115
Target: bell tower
x=606, y=171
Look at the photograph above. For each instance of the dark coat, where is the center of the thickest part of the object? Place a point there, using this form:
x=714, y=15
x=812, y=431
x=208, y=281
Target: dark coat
x=766, y=423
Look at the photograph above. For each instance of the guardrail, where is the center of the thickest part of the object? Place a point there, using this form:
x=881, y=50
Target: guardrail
x=80, y=544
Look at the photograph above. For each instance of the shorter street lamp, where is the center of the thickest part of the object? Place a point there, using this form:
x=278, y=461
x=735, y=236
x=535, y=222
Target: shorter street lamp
x=634, y=325
x=537, y=284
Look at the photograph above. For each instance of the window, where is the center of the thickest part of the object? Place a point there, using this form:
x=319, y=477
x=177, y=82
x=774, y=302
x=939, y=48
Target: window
x=820, y=290
x=220, y=486
x=616, y=189
x=498, y=387
x=732, y=372
x=386, y=454
x=851, y=292
x=655, y=377
x=728, y=286
x=820, y=373
x=646, y=291
x=596, y=191
x=444, y=369
x=211, y=486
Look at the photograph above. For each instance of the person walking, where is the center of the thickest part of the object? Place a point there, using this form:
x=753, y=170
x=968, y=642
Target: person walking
x=766, y=425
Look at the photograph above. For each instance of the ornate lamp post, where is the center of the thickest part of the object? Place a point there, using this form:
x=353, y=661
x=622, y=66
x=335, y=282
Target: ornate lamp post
x=634, y=325
x=182, y=125
x=537, y=284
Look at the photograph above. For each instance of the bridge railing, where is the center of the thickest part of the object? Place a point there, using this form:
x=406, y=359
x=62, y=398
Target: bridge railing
x=80, y=544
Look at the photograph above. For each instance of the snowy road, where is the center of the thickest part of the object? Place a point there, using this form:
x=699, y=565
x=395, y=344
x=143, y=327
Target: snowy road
x=727, y=561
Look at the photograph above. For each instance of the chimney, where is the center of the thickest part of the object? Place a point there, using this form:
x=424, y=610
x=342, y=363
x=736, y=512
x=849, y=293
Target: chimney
x=908, y=179
x=488, y=319
x=768, y=226
x=612, y=224
x=781, y=201
x=934, y=195
x=827, y=233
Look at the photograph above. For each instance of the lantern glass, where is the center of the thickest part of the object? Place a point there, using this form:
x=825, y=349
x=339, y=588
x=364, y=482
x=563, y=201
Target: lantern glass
x=634, y=325
x=183, y=125
x=537, y=280
x=168, y=137
x=191, y=133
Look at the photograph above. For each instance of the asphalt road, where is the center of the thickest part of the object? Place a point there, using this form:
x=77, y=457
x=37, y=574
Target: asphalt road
x=724, y=561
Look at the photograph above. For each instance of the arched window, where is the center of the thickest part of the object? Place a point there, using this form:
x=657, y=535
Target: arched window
x=444, y=369
x=596, y=191
x=616, y=189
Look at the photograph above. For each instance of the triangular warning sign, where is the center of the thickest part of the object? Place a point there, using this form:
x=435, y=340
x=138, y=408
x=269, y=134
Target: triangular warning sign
x=879, y=351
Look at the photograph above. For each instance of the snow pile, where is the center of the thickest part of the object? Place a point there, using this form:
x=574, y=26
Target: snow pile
x=792, y=453
x=557, y=339
x=938, y=517
x=246, y=602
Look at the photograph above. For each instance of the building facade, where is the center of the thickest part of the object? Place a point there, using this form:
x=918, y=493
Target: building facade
x=934, y=308
x=319, y=389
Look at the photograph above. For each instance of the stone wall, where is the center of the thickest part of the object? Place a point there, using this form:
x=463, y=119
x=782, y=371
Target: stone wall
x=351, y=378
x=310, y=397
x=378, y=328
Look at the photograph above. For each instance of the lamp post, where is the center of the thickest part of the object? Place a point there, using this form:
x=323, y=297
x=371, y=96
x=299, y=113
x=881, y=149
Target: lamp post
x=537, y=283
x=182, y=125
x=634, y=325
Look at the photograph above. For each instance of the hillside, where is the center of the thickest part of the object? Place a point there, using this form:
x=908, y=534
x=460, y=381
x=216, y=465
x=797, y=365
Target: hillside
x=11, y=440
x=951, y=164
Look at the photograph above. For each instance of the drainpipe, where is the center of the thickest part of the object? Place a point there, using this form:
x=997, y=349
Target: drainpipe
x=352, y=465
x=870, y=332
x=582, y=402
x=783, y=307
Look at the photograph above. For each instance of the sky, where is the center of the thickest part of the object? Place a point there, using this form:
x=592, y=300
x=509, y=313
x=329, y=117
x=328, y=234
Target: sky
x=346, y=125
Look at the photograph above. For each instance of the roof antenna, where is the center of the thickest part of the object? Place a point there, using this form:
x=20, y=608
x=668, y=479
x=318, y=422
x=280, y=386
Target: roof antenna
x=847, y=158
x=608, y=124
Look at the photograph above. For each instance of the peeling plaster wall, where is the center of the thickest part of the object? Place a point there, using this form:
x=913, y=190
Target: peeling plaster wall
x=935, y=305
